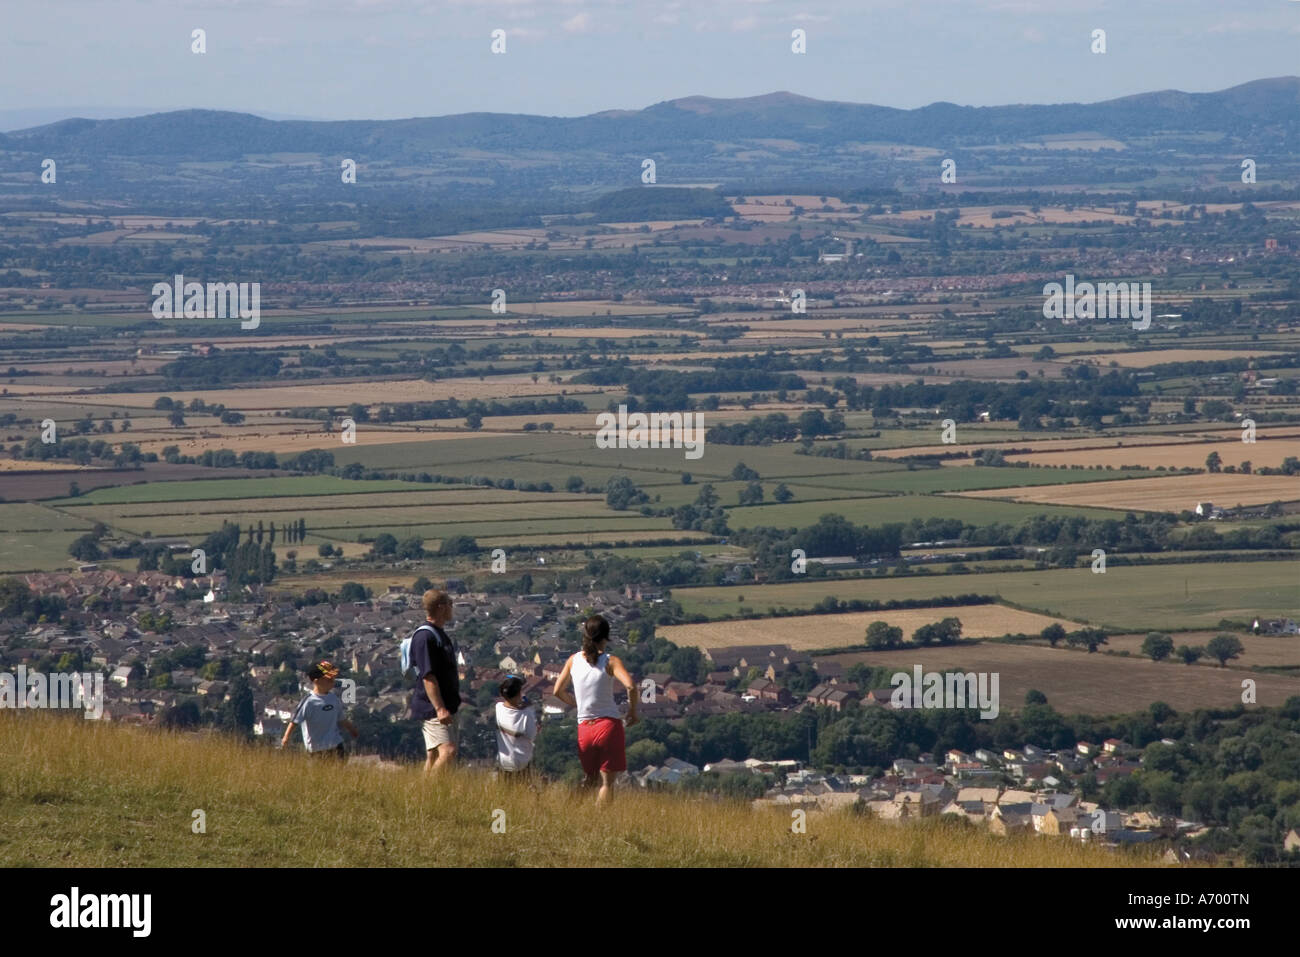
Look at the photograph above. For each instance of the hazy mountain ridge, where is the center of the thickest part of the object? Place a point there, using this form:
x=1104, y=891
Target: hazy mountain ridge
x=1263, y=109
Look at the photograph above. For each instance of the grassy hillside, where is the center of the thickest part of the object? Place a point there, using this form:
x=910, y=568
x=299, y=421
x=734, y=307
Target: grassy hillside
x=79, y=793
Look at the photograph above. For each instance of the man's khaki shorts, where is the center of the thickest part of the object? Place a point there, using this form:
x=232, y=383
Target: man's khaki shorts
x=436, y=733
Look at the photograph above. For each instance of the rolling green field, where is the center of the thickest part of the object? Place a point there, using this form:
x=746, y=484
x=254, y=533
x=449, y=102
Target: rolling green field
x=35, y=551
x=729, y=492
x=23, y=517
x=439, y=456
x=378, y=518
x=557, y=473
x=413, y=497
x=901, y=508
x=960, y=478
x=201, y=490
x=1129, y=598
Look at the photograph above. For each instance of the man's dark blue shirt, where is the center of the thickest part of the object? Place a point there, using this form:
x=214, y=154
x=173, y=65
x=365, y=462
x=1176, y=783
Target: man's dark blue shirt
x=433, y=655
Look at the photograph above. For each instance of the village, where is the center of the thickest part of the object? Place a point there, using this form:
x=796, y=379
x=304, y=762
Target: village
x=127, y=624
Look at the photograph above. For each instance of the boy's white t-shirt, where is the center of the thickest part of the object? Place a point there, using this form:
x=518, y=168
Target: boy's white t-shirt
x=318, y=716
x=515, y=751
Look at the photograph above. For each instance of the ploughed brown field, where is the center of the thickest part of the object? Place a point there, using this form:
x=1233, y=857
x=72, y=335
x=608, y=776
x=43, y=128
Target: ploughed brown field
x=1076, y=682
x=1172, y=493
x=812, y=632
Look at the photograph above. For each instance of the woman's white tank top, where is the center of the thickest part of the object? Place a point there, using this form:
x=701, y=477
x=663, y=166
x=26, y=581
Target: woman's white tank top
x=593, y=688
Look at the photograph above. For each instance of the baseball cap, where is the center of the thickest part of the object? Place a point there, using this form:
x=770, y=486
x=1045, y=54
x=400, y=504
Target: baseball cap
x=323, y=670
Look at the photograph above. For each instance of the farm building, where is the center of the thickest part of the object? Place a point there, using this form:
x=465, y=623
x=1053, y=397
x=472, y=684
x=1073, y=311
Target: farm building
x=1275, y=626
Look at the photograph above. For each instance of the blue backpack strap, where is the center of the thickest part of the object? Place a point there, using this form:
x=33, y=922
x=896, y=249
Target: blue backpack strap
x=423, y=627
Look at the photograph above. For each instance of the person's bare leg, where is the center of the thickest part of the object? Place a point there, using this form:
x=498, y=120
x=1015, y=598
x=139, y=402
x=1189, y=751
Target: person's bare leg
x=606, y=783
x=446, y=755
x=429, y=755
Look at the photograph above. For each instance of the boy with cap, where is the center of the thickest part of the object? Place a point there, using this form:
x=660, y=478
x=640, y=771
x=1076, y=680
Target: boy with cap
x=320, y=714
x=516, y=726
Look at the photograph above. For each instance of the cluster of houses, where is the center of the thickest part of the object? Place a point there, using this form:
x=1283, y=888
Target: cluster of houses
x=111, y=623
x=928, y=788
x=918, y=789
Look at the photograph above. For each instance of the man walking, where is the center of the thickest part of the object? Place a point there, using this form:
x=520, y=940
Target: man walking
x=436, y=697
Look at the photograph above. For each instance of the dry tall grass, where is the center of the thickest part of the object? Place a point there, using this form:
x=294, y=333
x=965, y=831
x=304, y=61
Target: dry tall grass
x=79, y=793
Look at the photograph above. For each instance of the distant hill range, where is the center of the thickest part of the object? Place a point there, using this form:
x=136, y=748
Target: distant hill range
x=770, y=135
x=1268, y=108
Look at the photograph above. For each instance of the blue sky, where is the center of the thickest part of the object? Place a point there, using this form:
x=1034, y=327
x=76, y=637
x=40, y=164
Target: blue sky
x=381, y=59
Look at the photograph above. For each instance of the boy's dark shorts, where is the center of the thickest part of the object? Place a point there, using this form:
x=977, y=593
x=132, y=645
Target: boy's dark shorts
x=337, y=753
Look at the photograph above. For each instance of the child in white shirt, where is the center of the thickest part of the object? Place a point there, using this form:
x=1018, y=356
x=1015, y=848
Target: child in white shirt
x=516, y=727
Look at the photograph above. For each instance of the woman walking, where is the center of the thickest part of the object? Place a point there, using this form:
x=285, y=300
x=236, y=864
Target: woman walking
x=600, y=724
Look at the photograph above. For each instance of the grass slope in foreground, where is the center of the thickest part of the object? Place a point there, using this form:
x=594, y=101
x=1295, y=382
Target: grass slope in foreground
x=79, y=793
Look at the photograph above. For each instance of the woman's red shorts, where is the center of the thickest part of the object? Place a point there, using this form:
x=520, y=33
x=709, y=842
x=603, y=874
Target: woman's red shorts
x=600, y=745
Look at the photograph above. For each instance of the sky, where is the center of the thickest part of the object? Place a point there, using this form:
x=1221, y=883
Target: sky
x=387, y=59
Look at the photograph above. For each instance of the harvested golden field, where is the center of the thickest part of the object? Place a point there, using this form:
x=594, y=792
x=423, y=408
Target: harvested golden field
x=766, y=207
x=276, y=342
x=656, y=225
x=36, y=465
x=601, y=332
x=1262, y=651
x=1263, y=451
x=1169, y=494
x=1076, y=682
x=1143, y=360
x=812, y=632
x=982, y=216
x=16, y=387
x=325, y=395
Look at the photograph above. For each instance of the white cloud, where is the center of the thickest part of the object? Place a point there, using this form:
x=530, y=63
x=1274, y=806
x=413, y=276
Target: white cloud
x=579, y=23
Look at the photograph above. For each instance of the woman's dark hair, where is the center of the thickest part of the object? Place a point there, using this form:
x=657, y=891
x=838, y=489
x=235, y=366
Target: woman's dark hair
x=511, y=686
x=594, y=630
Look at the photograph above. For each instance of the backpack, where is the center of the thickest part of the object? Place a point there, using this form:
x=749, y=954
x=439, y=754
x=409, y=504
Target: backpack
x=406, y=649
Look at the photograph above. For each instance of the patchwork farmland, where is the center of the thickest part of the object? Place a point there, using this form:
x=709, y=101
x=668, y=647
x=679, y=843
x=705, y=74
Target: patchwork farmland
x=894, y=431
